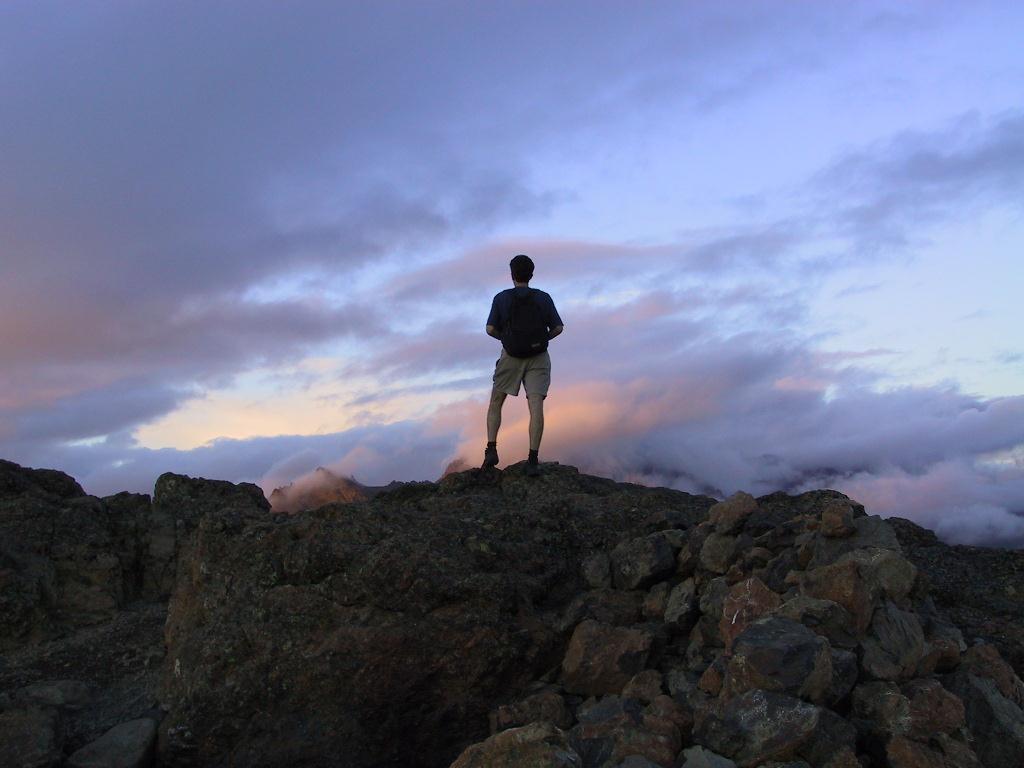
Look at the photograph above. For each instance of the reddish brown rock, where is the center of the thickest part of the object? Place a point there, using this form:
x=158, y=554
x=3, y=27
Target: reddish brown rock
x=612, y=729
x=645, y=686
x=837, y=519
x=655, y=601
x=545, y=706
x=747, y=600
x=602, y=659
x=933, y=709
x=841, y=583
x=823, y=617
x=729, y=516
x=538, y=745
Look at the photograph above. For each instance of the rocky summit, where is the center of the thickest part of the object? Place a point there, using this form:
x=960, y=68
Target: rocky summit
x=495, y=620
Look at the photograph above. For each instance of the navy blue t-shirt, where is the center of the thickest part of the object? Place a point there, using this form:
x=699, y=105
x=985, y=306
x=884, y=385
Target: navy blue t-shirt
x=502, y=305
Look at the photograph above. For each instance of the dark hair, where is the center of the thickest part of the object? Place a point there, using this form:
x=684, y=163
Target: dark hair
x=522, y=268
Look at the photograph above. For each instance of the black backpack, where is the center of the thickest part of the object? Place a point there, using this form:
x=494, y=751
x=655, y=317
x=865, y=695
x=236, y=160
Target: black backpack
x=526, y=332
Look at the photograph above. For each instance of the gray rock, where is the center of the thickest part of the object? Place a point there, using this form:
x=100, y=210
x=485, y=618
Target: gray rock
x=698, y=757
x=758, y=726
x=597, y=570
x=729, y=516
x=996, y=722
x=718, y=552
x=681, y=604
x=128, y=745
x=894, y=645
x=776, y=654
x=640, y=562
x=869, y=531
x=823, y=617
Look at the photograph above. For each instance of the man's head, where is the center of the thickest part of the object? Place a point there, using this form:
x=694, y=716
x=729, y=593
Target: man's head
x=522, y=268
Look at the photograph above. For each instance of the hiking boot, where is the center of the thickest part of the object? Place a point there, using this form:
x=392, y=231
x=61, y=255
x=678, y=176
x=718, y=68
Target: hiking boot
x=532, y=469
x=490, y=457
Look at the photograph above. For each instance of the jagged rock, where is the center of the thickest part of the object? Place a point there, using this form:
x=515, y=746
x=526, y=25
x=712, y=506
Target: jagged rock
x=995, y=719
x=984, y=661
x=933, y=709
x=30, y=738
x=714, y=676
x=894, y=646
x=880, y=710
x=746, y=601
x=980, y=589
x=729, y=516
x=698, y=757
x=943, y=645
x=601, y=659
x=179, y=504
x=718, y=552
x=644, y=686
x=841, y=583
x=902, y=752
x=637, y=761
x=612, y=729
x=781, y=655
x=681, y=605
x=129, y=745
x=837, y=520
x=608, y=606
x=869, y=531
x=597, y=570
x=656, y=601
x=886, y=573
x=845, y=671
x=823, y=617
x=546, y=706
x=758, y=726
x=640, y=562
x=538, y=745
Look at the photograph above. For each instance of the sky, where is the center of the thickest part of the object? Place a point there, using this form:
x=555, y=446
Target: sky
x=243, y=240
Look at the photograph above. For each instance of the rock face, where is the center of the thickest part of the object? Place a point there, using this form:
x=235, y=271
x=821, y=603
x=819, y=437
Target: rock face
x=492, y=619
x=386, y=632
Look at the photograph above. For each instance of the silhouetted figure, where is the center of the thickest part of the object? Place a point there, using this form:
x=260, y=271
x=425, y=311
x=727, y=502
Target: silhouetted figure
x=524, y=319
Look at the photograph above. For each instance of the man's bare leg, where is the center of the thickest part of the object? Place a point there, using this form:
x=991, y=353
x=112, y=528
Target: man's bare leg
x=536, y=403
x=493, y=425
x=494, y=414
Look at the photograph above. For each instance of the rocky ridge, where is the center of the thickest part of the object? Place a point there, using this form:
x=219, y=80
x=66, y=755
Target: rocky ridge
x=492, y=619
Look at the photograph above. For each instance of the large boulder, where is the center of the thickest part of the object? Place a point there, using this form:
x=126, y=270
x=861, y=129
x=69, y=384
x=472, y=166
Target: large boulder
x=758, y=726
x=128, y=745
x=388, y=631
x=777, y=654
x=538, y=745
x=602, y=659
x=640, y=562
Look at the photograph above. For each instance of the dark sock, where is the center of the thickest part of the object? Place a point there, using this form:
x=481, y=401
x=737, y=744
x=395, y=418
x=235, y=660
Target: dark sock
x=492, y=445
x=533, y=457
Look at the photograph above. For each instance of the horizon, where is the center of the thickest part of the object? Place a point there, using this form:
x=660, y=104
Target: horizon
x=785, y=239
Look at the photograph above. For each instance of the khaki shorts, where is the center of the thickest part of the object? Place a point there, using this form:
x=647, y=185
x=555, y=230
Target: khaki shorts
x=534, y=372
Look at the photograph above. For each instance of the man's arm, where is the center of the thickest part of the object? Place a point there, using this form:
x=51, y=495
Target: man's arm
x=552, y=332
x=493, y=332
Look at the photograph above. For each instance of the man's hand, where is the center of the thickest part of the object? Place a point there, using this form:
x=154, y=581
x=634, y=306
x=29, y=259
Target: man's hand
x=493, y=332
x=554, y=331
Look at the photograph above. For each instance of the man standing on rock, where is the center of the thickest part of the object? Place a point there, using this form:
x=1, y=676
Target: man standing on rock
x=524, y=319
